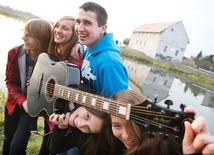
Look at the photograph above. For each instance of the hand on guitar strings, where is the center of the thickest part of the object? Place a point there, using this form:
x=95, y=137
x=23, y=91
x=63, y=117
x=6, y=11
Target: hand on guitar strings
x=197, y=137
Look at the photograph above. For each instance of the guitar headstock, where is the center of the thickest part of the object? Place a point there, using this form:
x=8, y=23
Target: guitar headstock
x=151, y=117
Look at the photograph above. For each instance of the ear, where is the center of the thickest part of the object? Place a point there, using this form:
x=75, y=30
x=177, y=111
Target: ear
x=104, y=28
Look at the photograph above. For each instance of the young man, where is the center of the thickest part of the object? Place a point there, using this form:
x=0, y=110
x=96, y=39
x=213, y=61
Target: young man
x=102, y=67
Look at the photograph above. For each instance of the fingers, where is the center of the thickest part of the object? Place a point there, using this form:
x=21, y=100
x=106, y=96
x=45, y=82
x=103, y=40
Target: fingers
x=76, y=51
x=208, y=149
x=203, y=143
x=191, y=110
x=60, y=119
x=188, y=139
x=199, y=125
x=24, y=105
x=197, y=137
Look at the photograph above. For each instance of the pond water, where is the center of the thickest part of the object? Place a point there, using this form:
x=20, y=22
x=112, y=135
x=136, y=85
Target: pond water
x=147, y=80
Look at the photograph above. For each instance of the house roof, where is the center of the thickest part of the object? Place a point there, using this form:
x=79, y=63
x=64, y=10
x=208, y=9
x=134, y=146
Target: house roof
x=154, y=27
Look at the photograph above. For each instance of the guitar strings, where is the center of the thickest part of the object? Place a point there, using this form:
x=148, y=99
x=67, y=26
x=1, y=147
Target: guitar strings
x=113, y=106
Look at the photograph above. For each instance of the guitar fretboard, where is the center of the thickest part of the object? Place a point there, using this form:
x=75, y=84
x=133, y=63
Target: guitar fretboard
x=93, y=101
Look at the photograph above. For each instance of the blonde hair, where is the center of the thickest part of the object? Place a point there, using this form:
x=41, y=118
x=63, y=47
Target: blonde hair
x=40, y=30
x=53, y=47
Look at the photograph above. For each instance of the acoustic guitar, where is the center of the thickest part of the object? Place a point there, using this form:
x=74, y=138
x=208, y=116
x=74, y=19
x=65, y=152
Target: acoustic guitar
x=53, y=80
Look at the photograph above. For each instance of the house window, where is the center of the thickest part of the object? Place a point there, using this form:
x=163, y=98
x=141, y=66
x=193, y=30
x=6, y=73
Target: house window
x=140, y=42
x=176, y=53
x=145, y=45
x=156, y=35
x=165, y=48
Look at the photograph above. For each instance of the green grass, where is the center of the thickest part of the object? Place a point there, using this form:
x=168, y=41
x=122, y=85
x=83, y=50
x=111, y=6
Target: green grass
x=35, y=140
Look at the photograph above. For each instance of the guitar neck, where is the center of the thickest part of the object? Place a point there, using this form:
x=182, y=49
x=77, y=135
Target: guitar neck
x=93, y=101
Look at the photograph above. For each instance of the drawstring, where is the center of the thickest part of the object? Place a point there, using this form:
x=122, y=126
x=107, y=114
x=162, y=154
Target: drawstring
x=39, y=134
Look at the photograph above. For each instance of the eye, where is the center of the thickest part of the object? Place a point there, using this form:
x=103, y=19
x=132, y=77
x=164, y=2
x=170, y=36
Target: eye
x=88, y=116
x=116, y=126
x=87, y=23
x=57, y=25
x=77, y=22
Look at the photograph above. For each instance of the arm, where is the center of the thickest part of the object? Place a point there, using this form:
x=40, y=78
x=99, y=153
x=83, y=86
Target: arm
x=63, y=137
x=13, y=78
x=77, y=51
x=197, y=138
x=112, y=79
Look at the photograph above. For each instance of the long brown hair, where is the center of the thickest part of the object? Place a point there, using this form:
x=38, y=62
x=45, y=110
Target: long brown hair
x=145, y=145
x=53, y=47
x=39, y=29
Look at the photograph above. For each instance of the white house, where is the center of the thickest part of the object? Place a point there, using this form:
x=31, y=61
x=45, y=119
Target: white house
x=166, y=41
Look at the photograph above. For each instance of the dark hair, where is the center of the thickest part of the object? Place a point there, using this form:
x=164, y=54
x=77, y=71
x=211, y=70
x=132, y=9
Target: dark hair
x=101, y=13
x=99, y=143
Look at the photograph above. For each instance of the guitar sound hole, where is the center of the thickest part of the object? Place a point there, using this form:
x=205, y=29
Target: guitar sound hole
x=50, y=88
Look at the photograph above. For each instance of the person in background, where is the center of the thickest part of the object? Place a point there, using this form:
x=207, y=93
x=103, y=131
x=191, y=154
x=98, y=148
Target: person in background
x=63, y=42
x=85, y=123
x=196, y=139
x=21, y=59
x=102, y=69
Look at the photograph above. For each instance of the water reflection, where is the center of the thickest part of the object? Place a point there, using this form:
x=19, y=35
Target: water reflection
x=147, y=80
x=152, y=82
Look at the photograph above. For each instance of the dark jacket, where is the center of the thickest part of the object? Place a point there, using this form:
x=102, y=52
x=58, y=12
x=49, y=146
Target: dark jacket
x=64, y=139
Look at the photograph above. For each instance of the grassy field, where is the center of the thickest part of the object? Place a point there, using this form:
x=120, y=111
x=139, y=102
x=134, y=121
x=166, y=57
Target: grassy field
x=34, y=142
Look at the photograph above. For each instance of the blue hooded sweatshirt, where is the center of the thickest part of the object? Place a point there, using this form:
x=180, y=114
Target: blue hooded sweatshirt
x=103, y=67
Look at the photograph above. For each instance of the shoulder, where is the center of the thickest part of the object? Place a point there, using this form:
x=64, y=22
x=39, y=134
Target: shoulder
x=15, y=50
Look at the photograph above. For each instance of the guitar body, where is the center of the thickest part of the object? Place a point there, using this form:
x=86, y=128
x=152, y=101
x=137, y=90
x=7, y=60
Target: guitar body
x=48, y=72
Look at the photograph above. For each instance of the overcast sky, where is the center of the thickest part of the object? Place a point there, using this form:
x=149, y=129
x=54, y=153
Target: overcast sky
x=126, y=15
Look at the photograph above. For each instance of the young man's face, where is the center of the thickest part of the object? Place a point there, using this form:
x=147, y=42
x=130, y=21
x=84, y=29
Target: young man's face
x=87, y=28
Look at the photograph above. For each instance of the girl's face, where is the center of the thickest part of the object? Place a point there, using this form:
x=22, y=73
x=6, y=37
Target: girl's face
x=63, y=31
x=121, y=130
x=85, y=121
x=30, y=43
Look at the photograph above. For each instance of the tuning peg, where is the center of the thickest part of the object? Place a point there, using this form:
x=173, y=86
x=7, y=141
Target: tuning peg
x=178, y=139
x=164, y=136
x=155, y=98
x=150, y=134
x=168, y=103
x=182, y=106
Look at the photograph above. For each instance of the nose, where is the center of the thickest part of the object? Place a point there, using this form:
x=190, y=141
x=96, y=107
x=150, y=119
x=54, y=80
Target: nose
x=24, y=37
x=125, y=134
x=81, y=124
x=80, y=27
x=57, y=29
